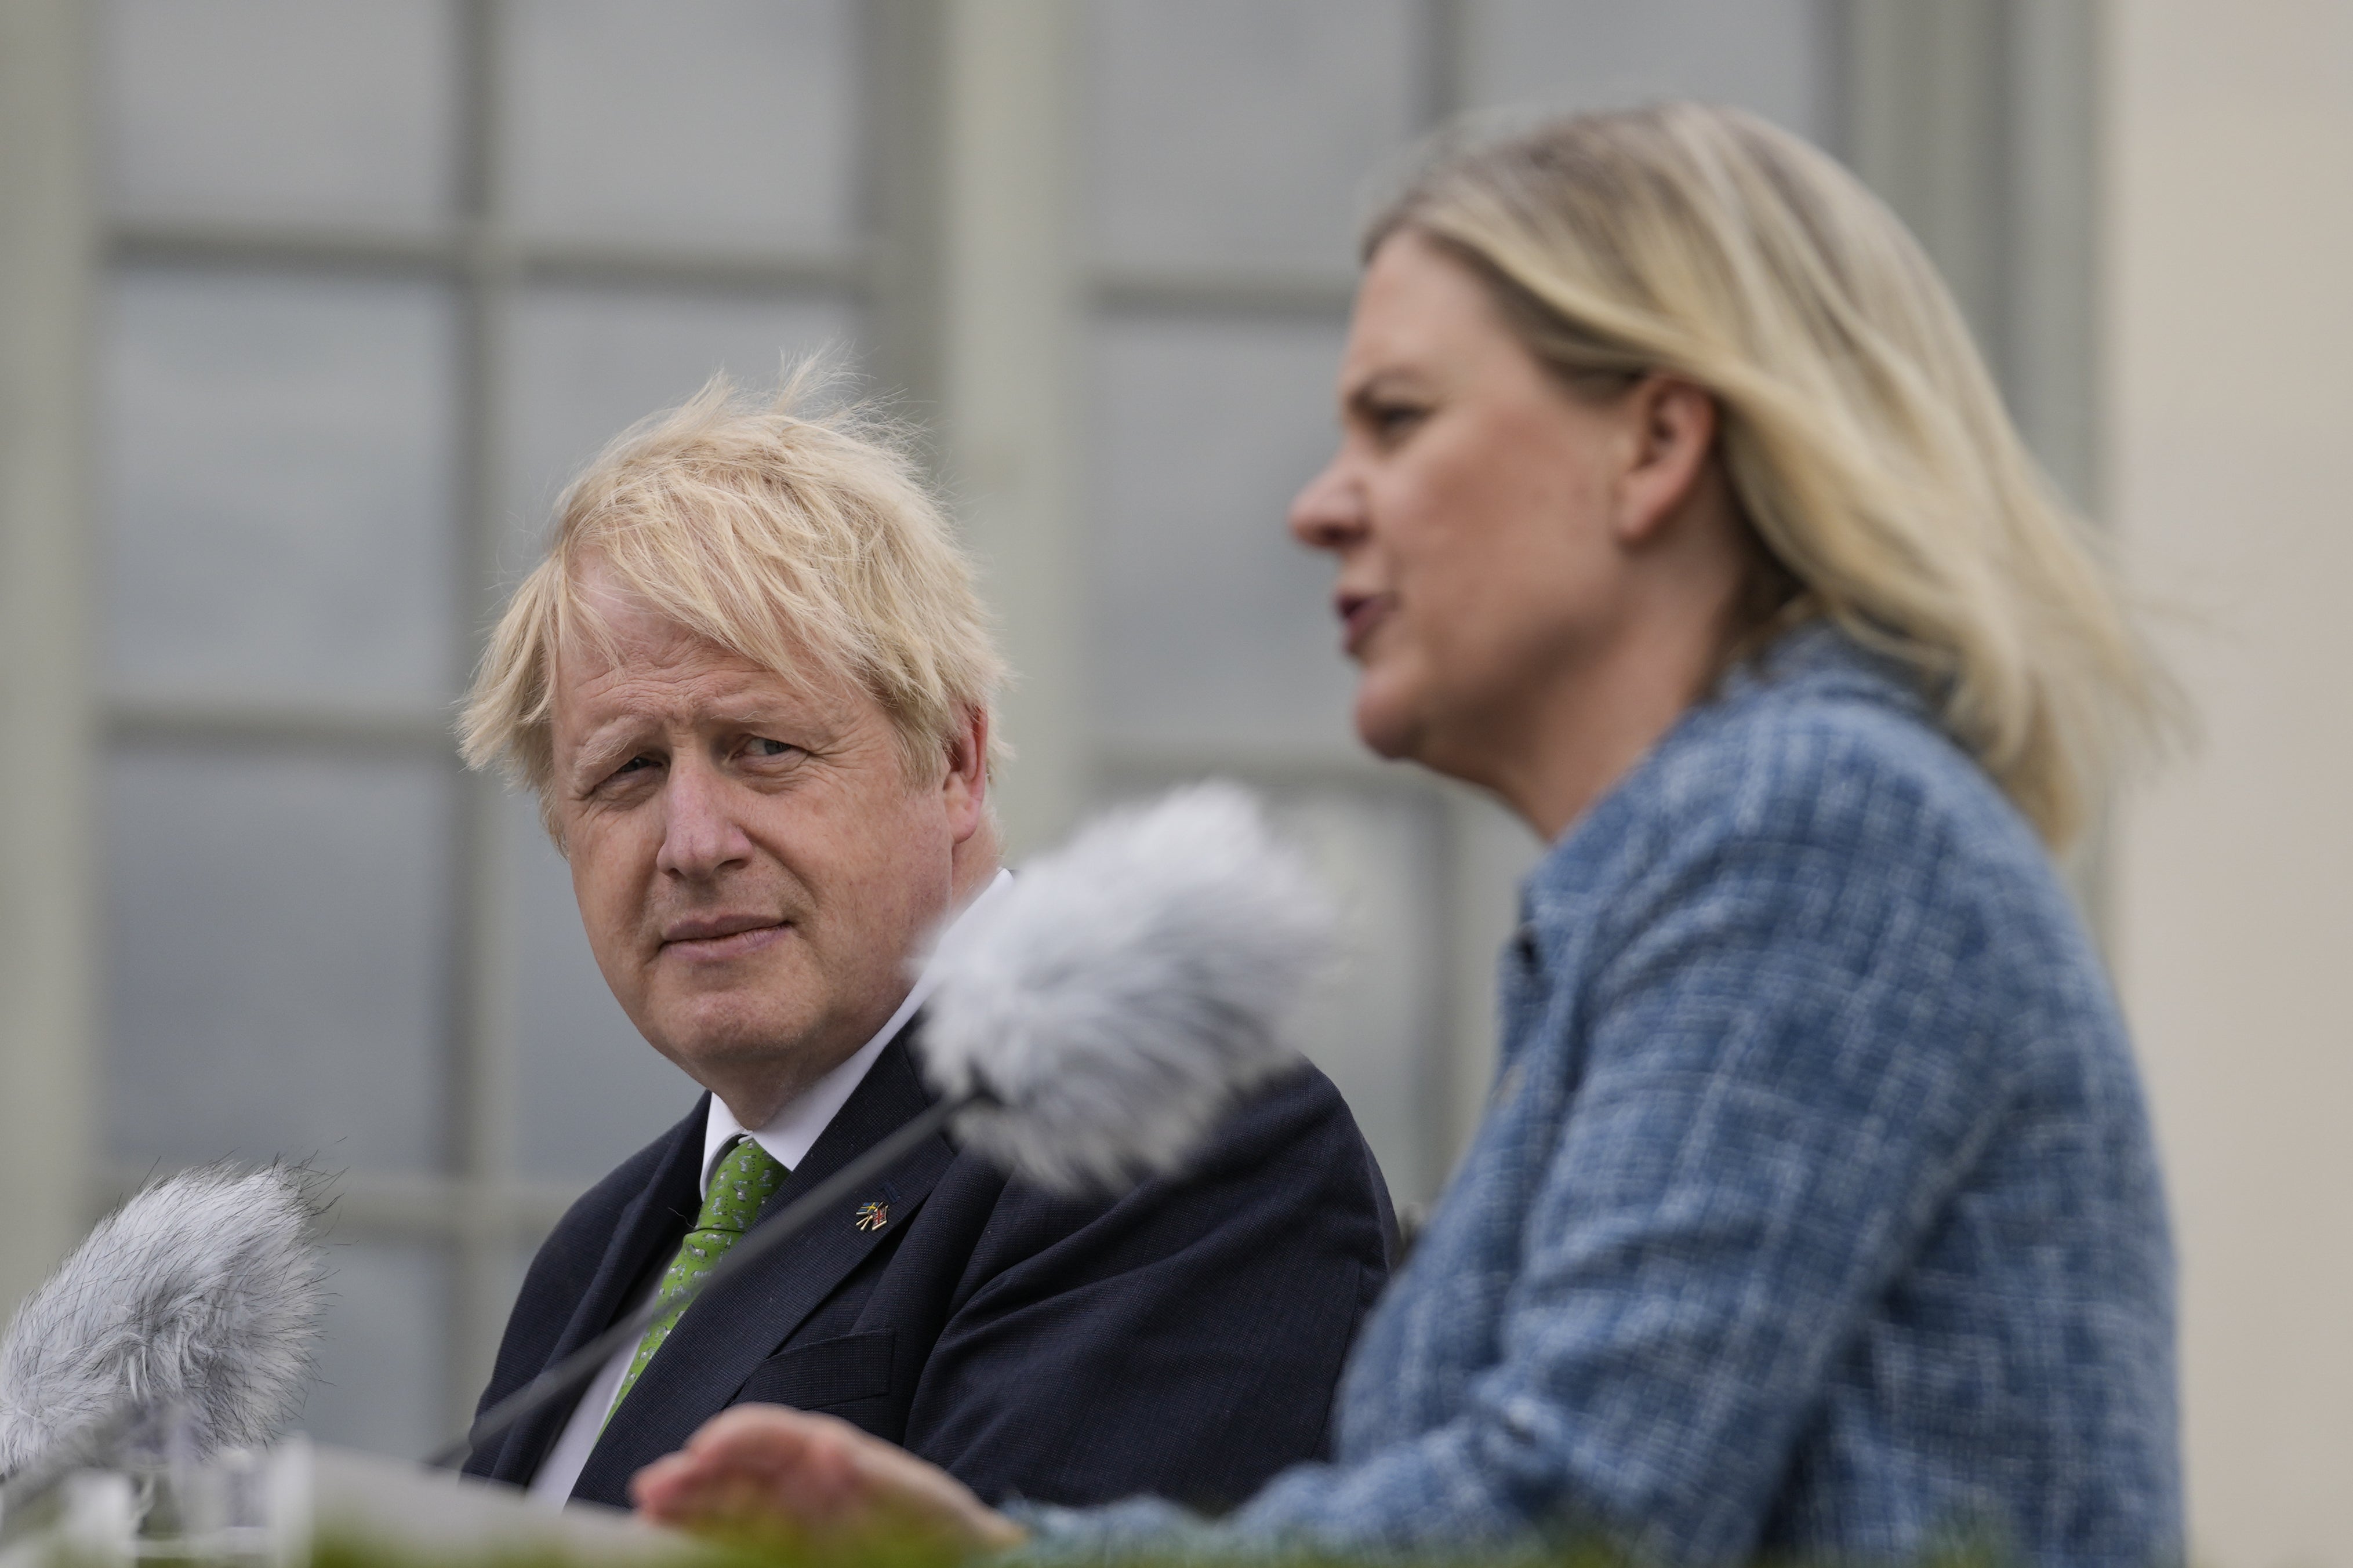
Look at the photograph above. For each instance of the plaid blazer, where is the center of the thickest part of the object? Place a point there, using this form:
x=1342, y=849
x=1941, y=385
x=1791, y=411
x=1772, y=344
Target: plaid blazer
x=1815, y=1214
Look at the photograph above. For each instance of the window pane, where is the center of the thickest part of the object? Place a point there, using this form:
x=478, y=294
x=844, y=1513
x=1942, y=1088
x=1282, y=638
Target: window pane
x=594, y=1092
x=1771, y=56
x=383, y=1357
x=279, y=468
x=1376, y=1027
x=589, y=362
x=728, y=122
x=1214, y=624
x=276, y=982
x=1490, y=853
x=1241, y=132
x=280, y=110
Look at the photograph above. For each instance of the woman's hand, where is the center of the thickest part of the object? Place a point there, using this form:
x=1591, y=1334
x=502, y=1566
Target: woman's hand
x=762, y=1468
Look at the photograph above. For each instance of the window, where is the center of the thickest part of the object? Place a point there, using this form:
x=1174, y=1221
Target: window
x=381, y=276
x=377, y=277
x=1234, y=145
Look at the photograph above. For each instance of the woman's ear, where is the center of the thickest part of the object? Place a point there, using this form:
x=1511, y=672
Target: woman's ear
x=1670, y=426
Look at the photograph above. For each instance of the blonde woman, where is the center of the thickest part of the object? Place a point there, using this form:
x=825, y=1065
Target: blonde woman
x=1816, y=1213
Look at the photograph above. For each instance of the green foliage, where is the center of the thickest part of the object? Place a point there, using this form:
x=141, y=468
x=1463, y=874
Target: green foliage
x=766, y=1548
x=906, y=1549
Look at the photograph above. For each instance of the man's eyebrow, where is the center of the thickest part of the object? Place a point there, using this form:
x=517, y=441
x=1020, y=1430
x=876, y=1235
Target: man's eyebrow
x=749, y=713
x=611, y=742
x=621, y=737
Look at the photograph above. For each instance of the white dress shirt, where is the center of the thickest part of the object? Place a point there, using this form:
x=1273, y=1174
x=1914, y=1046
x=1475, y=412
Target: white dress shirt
x=787, y=1137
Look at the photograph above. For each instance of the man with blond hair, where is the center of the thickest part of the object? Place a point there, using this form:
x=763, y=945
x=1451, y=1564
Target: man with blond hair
x=751, y=685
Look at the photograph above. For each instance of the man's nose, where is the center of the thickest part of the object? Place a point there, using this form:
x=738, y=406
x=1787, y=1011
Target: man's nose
x=701, y=834
x=1328, y=513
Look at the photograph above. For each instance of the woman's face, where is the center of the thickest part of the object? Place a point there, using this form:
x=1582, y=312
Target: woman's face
x=1470, y=510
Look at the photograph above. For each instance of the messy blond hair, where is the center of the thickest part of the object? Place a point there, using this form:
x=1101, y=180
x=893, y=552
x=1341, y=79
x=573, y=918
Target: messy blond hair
x=802, y=540
x=1860, y=433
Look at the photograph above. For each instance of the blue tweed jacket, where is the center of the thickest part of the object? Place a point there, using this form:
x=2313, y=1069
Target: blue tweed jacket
x=1815, y=1214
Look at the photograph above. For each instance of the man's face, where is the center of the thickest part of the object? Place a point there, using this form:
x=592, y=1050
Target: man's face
x=754, y=866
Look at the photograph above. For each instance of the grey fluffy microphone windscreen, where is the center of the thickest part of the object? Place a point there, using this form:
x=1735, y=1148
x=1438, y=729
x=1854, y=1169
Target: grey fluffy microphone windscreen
x=202, y=1293
x=1125, y=990
x=1120, y=994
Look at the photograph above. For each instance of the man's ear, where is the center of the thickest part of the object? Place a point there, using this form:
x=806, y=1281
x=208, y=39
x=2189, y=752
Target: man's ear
x=966, y=788
x=1671, y=426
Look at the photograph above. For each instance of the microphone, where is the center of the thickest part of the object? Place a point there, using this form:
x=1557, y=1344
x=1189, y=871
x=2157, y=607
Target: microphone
x=1125, y=991
x=202, y=1292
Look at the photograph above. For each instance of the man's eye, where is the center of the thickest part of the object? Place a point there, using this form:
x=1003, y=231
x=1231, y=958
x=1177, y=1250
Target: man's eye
x=760, y=746
x=1396, y=419
x=635, y=764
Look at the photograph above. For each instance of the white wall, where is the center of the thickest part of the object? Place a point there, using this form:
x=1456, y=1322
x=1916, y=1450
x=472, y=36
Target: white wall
x=2230, y=373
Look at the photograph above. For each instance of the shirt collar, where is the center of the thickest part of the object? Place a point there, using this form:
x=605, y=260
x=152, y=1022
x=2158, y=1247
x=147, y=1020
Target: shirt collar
x=790, y=1134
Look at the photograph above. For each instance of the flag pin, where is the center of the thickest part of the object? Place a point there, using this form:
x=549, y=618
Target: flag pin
x=872, y=1216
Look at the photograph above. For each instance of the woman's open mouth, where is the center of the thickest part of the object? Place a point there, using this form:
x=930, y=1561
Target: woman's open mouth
x=1359, y=613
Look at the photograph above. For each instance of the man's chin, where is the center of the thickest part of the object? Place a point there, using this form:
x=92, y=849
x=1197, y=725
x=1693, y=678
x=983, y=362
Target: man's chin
x=714, y=1039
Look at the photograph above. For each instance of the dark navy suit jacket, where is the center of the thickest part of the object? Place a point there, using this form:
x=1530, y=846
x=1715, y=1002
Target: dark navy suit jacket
x=1185, y=1339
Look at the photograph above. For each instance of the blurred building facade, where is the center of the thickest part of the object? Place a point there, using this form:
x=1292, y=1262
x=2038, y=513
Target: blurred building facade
x=2226, y=385
x=306, y=313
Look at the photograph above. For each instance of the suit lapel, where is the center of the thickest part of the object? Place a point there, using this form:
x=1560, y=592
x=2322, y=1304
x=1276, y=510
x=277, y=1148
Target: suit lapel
x=647, y=1228
x=736, y=1326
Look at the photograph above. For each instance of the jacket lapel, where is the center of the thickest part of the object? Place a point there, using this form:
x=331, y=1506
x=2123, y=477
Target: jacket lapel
x=735, y=1326
x=647, y=1227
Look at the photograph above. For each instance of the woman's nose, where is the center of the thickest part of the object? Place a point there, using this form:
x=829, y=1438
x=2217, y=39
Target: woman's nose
x=1328, y=513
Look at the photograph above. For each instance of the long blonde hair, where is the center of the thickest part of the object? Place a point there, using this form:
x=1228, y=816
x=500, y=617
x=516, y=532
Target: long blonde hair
x=1862, y=434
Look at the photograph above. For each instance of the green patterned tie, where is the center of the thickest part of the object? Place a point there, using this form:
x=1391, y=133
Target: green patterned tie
x=745, y=1179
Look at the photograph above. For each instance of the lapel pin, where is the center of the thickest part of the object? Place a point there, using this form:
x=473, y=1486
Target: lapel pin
x=871, y=1216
